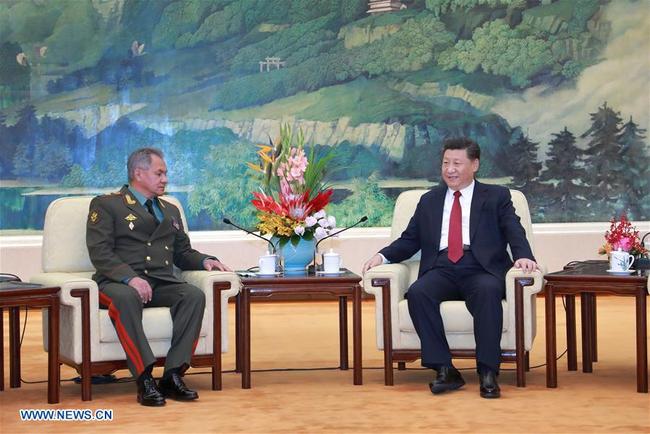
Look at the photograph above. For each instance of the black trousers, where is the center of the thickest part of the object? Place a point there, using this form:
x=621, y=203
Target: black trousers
x=482, y=292
x=186, y=302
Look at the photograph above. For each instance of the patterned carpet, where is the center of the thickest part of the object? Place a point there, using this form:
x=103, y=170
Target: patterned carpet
x=305, y=335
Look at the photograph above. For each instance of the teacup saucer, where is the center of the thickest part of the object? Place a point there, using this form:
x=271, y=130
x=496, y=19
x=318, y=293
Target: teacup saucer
x=260, y=274
x=624, y=273
x=334, y=273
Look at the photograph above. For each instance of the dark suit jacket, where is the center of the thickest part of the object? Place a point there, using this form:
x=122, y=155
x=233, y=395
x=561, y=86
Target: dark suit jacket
x=124, y=240
x=493, y=225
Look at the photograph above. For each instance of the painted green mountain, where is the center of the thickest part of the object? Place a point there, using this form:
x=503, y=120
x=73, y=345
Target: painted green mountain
x=86, y=80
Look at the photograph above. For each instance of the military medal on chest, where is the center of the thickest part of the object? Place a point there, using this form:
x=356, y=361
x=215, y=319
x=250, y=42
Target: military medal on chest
x=130, y=218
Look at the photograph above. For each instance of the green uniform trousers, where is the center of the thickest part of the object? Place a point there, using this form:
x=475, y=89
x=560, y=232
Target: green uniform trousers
x=186, y=303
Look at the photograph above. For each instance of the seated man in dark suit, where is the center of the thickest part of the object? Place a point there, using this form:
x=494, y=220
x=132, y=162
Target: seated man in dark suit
x=463, y=228
x=134, y=239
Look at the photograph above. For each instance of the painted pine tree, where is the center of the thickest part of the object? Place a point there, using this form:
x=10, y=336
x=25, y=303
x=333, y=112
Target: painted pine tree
x=636, y=160
x=566, y=193
x=603, y=155
x=524, y=166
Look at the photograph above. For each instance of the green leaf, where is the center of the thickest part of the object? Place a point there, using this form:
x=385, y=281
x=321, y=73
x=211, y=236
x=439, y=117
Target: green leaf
x=283, y=242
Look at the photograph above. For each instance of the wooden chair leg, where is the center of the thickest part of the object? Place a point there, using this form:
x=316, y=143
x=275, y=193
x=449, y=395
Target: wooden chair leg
x=86, y=377
x=401, y=366
x=387, y=330
x=388, y=368
x=526, y=361
x=520, y=352
x=216, y=336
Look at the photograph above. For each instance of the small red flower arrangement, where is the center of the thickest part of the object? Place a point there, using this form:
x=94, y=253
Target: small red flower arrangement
x=622, y=236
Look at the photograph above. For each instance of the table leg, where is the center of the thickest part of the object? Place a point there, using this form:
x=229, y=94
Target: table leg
x=356, y=337
x=585, y=316
x=14, y=347
x=551, y=362
x=343, y=332
x=53, y=367
x=593, y=330
x=641, y=343
x=2, y=350
x=245, y=319
x=571, y=341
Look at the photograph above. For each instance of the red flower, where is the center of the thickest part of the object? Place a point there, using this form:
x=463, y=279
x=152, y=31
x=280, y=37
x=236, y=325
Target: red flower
x=321, y=200
x=267, y=204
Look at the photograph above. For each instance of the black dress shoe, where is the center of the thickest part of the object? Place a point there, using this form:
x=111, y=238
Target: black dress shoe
x=172, y=386
x=448, y=378
x=148, y=393
x=489, y=386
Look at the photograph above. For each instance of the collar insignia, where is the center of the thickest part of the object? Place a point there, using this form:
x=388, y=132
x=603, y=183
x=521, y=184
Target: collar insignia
x=130, y=218
x=129, y=199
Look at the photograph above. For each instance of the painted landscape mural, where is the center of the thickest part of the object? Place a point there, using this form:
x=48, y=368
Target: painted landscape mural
x=556, y=92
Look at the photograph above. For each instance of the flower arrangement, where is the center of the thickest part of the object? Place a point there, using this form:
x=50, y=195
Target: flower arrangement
x=622, y=235
x=293, y=192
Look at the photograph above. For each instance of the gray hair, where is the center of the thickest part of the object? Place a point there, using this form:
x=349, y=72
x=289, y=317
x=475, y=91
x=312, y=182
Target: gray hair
x=141, y=159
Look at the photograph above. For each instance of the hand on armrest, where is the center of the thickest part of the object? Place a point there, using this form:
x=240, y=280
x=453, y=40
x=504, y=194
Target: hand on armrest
x=398, y=274
x=205, y=280
x=537, y=276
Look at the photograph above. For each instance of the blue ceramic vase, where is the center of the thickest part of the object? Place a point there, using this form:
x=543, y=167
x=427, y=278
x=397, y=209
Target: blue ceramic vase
x=296, y=258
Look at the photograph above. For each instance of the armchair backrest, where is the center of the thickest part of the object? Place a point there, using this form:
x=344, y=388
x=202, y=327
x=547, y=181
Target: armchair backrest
x=64, y=234
x=408, y=201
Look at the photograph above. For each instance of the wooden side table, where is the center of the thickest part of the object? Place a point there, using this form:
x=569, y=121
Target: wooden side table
x=43, y=297
x=342, y=285
x=589, y=279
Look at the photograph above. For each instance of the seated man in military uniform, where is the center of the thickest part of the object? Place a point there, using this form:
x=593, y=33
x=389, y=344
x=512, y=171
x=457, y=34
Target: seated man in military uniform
x=134, y=239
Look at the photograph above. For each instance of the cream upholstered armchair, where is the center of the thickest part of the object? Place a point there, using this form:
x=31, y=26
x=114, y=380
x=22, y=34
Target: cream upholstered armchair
x=395, y=331
x=88, y=341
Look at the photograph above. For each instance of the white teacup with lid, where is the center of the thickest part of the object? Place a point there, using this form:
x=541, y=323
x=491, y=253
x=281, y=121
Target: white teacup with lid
x=331, y=262
x=268, y=264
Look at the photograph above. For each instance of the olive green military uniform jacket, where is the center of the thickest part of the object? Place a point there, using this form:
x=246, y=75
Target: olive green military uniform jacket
x=125, y=241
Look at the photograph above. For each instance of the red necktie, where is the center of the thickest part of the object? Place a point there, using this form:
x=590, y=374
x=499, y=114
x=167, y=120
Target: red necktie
x=455, y=236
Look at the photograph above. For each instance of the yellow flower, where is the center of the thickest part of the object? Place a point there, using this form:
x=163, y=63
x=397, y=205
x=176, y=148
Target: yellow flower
x=266, y=159
x=605, y=249
x=276, y=224
x=255, y=167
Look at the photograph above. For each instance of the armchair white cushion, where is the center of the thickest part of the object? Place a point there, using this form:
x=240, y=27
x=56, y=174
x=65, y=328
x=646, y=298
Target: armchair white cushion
x=404, y=344
x=66, y=264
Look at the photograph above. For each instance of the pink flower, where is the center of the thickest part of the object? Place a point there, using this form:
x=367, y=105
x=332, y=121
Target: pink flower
x=296, y=174
x=293, y=169
x=624, y=243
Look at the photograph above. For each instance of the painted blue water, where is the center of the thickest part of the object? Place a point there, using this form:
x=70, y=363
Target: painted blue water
x=19, y=210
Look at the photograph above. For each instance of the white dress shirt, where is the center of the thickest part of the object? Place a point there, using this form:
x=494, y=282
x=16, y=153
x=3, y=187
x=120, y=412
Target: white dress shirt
x=465, y=206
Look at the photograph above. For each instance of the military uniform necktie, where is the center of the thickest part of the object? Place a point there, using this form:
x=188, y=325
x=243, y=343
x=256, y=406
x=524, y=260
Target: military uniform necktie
x=149, y=204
